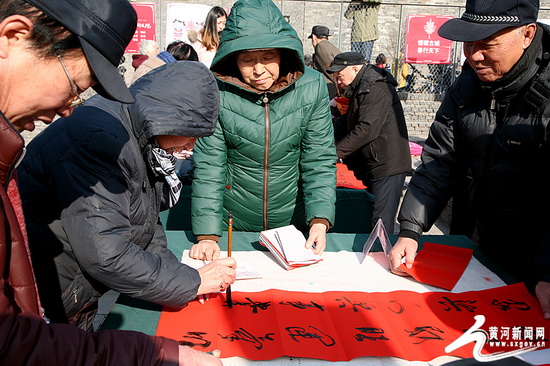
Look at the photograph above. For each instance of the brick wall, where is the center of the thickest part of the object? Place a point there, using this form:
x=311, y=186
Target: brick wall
x=419, y=111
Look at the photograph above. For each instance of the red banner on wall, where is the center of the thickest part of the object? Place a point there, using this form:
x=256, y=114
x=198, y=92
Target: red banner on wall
x=422, y=43
x=146, y=26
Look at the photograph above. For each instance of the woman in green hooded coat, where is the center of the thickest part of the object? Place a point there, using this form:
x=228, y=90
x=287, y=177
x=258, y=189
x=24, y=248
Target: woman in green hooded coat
x=271, y=161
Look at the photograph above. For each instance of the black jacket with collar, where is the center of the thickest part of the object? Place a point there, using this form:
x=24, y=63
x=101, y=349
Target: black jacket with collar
x=499, y=132
x=372, y=138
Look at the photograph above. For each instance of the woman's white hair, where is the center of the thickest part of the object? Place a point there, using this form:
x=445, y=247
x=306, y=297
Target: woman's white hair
x=148, y=46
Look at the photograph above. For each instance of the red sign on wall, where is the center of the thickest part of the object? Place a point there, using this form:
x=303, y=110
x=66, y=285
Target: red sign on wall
x=422, y=43
x=146, y=26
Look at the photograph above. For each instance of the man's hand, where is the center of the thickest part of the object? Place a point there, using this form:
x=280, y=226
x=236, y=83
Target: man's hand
x=217, y=276
x=543, y=294
x=190, y=357
x=206, y=250
x=317, y=239
x=404, y=248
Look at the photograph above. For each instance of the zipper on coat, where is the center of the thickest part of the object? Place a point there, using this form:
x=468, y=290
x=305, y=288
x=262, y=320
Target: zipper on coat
x=493, y=112
x=265, y=100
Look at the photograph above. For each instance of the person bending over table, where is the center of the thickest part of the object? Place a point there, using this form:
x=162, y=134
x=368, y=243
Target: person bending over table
x=493, y=122
x=271, y=161
x=93, y=184
x=50, y=52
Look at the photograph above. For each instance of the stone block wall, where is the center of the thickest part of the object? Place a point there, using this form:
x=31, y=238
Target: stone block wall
x=419, y=112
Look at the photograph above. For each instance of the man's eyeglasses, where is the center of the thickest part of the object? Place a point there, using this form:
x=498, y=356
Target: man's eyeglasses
x=77, y=100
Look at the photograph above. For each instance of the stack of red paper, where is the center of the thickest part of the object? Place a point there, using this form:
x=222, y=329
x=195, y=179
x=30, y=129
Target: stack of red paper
x=288, y=245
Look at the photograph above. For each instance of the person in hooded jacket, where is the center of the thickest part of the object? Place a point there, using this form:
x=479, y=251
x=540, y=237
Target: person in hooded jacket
x=372, y=138
x=93, y=184
x=271, y=161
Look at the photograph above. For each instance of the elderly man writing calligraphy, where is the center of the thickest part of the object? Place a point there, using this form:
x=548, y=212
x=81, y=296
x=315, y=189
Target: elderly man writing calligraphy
x=493, y=121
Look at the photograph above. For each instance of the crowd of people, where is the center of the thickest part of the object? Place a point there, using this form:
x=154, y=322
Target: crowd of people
x=80, y=210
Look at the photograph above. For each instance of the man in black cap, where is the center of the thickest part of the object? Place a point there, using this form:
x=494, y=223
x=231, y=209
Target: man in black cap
x=493, y=122
x=324, y=53
x=372, y=137
x=50, y=52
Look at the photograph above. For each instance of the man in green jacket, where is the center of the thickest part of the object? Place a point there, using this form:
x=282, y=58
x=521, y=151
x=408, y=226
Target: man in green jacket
x=271, y=161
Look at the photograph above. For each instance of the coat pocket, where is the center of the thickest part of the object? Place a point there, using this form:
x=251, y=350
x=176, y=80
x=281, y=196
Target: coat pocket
x=78, y=295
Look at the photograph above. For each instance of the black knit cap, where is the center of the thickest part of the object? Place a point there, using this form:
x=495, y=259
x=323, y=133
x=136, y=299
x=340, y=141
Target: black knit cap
x=483, y=18
x=104, y=28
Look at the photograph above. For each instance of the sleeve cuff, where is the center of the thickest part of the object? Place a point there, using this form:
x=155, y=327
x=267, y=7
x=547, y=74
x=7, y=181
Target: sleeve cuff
x=208, y=237
x=319, y=221
x=409, y=234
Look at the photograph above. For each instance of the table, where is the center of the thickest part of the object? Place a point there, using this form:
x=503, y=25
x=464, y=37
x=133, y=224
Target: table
x=131, y=314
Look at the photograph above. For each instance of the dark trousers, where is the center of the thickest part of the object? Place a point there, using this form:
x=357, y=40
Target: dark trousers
x=387, y=195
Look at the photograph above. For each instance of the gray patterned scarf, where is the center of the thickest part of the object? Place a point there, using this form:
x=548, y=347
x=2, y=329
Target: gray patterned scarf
x=165, y=163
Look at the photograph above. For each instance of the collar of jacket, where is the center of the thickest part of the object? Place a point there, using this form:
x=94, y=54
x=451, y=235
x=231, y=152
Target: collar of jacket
x=520, y=74
x=12, y=150
x=538, y=92
x=363, y=81
x=281, y=83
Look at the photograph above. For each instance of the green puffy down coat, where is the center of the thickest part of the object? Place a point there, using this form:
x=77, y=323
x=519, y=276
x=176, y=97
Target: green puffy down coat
x=271, y=160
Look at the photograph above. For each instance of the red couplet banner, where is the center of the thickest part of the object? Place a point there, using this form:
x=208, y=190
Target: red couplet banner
x=422, y=43
x=345, y=178
x=340, y=326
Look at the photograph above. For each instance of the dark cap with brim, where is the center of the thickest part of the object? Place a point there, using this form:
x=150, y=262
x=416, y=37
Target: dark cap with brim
x=484, y=18
x=104, y=29
x=345, y=59
x=319, y=31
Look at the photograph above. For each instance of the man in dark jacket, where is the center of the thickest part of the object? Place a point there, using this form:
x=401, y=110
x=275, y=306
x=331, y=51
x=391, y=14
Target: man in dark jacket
x=372, y=136
x=323, y=55
x=93, y=184
x=493, y=122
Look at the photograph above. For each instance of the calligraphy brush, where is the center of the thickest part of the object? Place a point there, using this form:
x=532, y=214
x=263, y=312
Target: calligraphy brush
x=229, y=247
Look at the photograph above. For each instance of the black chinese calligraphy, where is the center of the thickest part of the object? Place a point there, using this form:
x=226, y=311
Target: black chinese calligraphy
x=195, y=339
x=255, y=305
x=297, y=333
x=458, y=305
x=355, y=305
x=371, y=334
x=303, y=305
x=398, y=307
x=510, y=304
x=425, y=333
x=244, y=335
